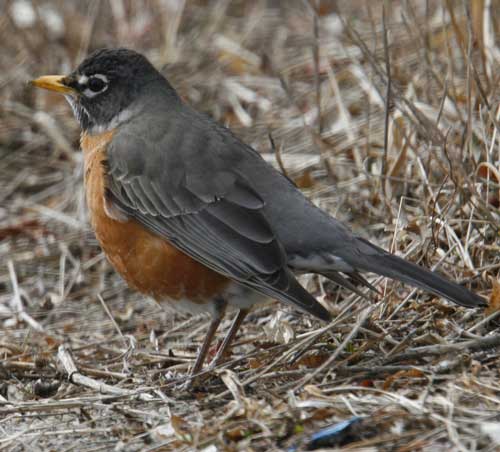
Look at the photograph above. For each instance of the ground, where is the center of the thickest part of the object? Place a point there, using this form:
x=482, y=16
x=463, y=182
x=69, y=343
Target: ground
x=388, y=119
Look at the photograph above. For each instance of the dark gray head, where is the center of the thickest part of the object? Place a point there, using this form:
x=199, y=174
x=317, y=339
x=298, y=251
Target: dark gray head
x=103, y=88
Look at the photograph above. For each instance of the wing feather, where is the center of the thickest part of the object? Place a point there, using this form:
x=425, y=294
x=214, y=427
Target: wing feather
x=197, y=200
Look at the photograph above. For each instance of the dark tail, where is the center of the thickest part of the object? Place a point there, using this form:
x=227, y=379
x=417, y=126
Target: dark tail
x=302, y=299
x=288, y=290
x=385, y=264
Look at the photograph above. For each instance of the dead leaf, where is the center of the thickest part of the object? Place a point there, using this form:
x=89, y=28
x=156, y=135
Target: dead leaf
x=52, y=342
x=235, y=434
x=494, y=303
x=32, y=228
x=391, y=379
x=313, y=361
x=305, y=180
x=235, y=64
x=255, y=363
x=322, y=413
x=180, y=426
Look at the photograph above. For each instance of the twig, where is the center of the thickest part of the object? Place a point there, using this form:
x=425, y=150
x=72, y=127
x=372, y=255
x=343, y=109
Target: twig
x=387, y=111
x=16, y=302
x=77, y=378
x=113, y=321
x=438, y=350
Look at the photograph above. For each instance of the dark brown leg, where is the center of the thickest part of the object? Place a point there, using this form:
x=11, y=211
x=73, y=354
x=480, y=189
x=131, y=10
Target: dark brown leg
x=202, y=354
x=224, y=348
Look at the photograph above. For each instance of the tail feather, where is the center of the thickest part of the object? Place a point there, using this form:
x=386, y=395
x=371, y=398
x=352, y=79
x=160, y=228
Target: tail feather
x=386, y=264
x=295, y=295
x=342, y=281
x=301, y=298
x=356, y=277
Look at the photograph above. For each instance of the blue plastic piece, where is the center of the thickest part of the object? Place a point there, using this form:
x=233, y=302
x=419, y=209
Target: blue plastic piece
x=329, y=436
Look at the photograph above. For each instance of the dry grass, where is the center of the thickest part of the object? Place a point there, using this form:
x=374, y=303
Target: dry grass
x=88, y=365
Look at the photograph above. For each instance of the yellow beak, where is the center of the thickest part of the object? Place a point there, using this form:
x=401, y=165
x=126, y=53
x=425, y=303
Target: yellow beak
x=53, y=83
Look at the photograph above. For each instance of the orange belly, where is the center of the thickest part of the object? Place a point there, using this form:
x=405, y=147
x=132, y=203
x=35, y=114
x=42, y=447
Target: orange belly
x=147, y=262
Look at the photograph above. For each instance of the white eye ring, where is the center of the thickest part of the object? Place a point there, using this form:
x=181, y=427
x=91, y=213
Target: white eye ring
x=87, y=92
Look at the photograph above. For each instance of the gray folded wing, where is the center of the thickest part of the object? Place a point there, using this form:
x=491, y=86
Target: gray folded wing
x=203, y=206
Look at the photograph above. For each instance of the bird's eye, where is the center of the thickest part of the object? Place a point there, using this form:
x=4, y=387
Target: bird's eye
x=96, y=84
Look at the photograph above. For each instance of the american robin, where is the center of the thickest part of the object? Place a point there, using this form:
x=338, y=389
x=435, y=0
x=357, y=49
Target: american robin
x=190, y=215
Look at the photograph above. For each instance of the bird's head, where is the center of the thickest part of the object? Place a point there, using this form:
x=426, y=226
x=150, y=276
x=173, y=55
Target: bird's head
x=102, y=90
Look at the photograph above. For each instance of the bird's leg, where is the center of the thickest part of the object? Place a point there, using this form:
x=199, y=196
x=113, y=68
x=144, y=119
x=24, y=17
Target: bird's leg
x=202, y=354
x=224, y=348
x=212, y=328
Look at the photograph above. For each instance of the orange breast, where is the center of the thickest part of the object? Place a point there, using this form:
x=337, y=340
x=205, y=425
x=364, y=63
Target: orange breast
x=147, y=262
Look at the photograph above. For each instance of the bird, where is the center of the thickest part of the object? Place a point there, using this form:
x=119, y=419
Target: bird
x=193, y=217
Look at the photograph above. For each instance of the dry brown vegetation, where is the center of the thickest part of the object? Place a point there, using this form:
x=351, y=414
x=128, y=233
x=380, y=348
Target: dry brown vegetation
x=88, y=365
